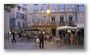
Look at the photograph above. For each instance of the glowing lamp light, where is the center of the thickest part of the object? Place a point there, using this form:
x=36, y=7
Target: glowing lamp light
x=42, y=11
x=48, y=11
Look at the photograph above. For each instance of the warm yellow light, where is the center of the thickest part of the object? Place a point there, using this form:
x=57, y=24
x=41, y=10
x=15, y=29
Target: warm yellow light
x=42, y=11
x=48, y=11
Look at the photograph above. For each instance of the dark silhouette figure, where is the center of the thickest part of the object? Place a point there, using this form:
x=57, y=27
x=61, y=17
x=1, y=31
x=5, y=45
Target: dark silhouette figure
x=13, y=37
x=41, y=38
x=19, y=35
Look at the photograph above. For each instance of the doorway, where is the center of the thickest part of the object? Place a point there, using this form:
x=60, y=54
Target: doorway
x=54, y=32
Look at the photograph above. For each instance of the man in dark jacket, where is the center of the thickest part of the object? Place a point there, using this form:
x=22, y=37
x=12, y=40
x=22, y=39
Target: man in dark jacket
x=13, y=37
x=41, y=38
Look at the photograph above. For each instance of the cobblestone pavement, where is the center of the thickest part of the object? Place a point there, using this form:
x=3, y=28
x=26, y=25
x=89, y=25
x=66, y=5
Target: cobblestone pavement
x=31, y=45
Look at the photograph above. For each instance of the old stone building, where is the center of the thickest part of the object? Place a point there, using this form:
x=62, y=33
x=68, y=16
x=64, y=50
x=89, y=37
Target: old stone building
x=50, y=16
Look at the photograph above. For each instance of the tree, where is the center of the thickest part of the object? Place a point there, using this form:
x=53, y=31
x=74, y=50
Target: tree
x=7, y=7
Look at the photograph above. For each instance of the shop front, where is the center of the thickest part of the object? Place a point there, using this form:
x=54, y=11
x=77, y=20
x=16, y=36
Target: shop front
x=45, y=28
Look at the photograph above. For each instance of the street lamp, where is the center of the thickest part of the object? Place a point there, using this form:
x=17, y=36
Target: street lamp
x=42, y=11
x=48, y=11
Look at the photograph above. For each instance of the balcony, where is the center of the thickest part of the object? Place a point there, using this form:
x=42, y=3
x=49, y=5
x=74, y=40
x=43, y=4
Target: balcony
x=71, y=23
x=53, y=23
x=62, y=23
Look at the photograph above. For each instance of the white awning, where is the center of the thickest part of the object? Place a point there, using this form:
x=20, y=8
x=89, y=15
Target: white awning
x=80, y=25
x=65, y=27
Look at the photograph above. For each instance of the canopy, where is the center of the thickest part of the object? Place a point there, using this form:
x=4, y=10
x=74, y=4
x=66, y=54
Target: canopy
x=65, y=27
x=80, y=25
x=29, y=29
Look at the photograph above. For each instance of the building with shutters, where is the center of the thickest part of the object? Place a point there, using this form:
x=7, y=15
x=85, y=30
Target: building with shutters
x=18, y=17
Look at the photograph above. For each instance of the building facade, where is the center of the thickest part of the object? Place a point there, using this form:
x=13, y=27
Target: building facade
x=60, y=15
x=18, y=16
x=6, y=22
x=80, y=8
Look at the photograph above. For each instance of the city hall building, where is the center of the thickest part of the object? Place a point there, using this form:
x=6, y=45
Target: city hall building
x=48, y=17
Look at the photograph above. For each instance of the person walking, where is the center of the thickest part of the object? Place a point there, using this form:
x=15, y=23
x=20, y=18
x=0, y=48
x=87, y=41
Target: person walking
x=13, y=37
x=19, y=36
x=72, y=39
x=61, y=40
x=36, y=40
x=41, y=38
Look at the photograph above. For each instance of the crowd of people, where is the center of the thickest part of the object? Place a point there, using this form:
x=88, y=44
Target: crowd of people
x=41, y=37
x=38, y=37
x=72, y=38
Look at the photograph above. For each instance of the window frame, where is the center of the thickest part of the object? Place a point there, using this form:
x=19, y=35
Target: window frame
x=61, y=19
x=23, y=24
x=70, y=18
x=36, y=21
x=18, y=23
x=44, y=20
x=53, y=7
x=53, y=18
x=70, y=7
x=35, y=9
x=44, y=7
x=61, y=7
